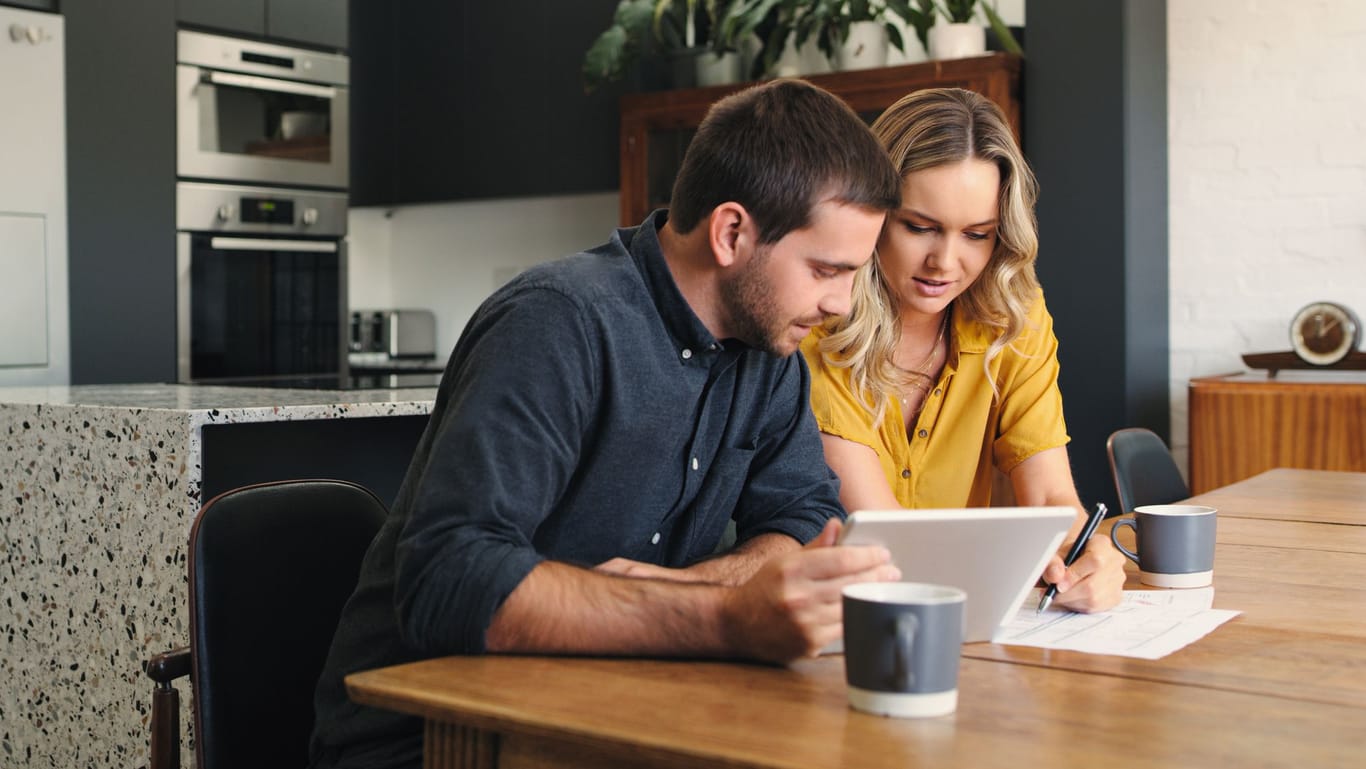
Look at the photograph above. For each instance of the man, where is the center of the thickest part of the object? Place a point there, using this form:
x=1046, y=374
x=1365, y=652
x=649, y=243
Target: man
x=603, y=417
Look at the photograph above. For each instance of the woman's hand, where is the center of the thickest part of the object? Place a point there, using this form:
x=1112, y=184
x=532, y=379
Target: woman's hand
x=1094, y=582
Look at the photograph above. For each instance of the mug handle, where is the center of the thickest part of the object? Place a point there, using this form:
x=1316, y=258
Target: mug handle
x=902, y=671
x=1114, y=531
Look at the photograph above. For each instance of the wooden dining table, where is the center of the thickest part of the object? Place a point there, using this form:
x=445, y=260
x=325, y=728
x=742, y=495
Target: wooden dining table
x=1281, y=684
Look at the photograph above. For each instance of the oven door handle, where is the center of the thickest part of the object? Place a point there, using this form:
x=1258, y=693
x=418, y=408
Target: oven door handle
x=270, y=84
x=266, y=244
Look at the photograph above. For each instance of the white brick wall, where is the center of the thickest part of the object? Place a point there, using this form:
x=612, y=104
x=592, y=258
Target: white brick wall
x=1267, y=161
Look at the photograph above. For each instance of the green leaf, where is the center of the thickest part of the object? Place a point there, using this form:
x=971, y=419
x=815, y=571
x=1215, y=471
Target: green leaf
x=607, y=58
x=894, y=37
x=1003, y=34
x=634, y=16
x=743, y=17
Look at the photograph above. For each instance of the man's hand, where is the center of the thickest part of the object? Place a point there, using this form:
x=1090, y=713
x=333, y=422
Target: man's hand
x=1094, y=582
x=792, y=607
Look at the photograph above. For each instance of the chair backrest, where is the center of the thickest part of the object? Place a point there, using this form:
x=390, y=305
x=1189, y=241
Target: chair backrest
x=271, y=566
x=1145, y=473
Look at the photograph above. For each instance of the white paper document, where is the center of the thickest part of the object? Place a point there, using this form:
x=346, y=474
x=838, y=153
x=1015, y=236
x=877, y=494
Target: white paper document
x=1147, y=624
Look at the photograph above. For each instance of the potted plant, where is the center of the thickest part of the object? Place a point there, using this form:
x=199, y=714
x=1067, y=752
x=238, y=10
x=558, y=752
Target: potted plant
x=916, y=16
x=669, y=28
x=787, y=27
x=962, y=36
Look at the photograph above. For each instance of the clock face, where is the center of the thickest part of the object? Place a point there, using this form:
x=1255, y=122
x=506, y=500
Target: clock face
x=1324, y=333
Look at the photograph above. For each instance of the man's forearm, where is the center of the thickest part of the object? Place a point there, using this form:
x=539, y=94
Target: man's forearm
x=560, y=609
x=740, y=563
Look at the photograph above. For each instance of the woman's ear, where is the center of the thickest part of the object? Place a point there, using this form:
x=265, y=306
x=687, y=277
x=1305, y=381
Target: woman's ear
x=727, y=227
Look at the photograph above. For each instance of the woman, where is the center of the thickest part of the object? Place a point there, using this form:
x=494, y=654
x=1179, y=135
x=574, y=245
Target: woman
x=946, y=366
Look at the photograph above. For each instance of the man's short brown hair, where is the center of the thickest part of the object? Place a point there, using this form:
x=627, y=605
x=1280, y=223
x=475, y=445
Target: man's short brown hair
x=778, y=149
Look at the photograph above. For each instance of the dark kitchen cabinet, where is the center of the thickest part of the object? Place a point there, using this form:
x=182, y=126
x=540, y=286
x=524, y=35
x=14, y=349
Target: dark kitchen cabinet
x=316, y=22
x=245, y=16
x=37, y=5
x=120, y=146
x=321, y=22
x=455, y=101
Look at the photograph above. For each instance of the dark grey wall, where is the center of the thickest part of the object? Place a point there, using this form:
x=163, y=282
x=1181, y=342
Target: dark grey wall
x=1095, y=132
x=120, y=119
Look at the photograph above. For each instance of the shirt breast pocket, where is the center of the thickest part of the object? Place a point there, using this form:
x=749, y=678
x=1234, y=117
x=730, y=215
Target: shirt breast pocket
x=720, y=493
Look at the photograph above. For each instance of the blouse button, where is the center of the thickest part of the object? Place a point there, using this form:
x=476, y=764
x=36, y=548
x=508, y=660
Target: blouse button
x=686, y=354
x=655, y=539
x=936, y=391
x=906, y=473
x=923, y=433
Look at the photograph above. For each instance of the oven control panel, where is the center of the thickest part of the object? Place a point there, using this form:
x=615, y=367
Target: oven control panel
x=202, y=207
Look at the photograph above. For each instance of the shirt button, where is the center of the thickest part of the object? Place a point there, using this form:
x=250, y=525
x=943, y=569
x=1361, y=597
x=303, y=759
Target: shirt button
x=686, y=354
x=906, y=473
x=936, y=391
x=694, y=463
x=923, y=433
x=655, y=539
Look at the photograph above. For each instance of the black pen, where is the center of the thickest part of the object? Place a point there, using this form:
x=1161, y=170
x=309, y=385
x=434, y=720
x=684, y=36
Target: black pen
x=1087, y=530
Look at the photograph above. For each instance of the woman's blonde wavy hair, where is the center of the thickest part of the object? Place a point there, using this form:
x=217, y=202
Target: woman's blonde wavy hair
x=923, y=130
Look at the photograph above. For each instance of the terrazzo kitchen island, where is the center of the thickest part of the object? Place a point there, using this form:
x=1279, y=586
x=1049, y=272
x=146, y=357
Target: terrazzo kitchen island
x=99, y=486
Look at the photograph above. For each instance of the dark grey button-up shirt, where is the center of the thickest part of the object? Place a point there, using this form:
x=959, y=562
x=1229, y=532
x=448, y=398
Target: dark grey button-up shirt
x=586, y=414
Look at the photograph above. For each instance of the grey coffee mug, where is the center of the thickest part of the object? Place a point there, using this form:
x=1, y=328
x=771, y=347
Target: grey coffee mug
x=1174, y=544
x=901, y=646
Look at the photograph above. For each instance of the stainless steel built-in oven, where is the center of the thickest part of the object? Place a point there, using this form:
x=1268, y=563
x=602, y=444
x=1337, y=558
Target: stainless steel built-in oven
x=261, y=282
x=260, y=113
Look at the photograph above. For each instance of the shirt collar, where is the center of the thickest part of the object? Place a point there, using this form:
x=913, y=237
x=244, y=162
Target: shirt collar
x=969, y=337
x=683, y=325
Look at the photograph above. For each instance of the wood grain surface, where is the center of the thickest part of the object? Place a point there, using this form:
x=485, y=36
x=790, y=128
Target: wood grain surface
x=1283, y=494
x=1245, y=424
x=672, y=714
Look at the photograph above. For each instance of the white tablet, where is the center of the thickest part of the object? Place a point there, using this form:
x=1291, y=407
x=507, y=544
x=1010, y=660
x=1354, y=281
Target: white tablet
x=995, y=554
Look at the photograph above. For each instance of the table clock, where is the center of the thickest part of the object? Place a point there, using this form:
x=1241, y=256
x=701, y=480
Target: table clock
x=1322, y=335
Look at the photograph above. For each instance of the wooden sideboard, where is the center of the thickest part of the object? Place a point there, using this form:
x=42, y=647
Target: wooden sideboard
x=656, y=127
x=1245, y=424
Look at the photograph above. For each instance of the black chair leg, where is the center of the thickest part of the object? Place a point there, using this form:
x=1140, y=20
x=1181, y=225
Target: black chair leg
x=165, y=750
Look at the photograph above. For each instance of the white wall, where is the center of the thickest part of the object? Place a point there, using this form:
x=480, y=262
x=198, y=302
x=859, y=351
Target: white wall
x=449, y=256
x=1267, y=162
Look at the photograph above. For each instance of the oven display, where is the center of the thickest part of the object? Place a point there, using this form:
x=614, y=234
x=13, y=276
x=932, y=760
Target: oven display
x=267, y=211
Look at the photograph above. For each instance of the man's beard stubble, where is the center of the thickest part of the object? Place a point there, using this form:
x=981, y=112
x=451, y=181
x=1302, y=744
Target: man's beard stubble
x=751, y=306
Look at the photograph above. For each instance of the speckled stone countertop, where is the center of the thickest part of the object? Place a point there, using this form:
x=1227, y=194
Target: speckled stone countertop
x=99, y=486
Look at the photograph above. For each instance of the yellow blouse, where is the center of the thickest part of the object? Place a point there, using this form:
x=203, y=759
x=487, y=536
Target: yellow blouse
x=964, y=428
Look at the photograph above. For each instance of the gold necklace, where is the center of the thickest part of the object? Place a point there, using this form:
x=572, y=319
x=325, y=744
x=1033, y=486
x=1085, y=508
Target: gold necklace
x=924, y=368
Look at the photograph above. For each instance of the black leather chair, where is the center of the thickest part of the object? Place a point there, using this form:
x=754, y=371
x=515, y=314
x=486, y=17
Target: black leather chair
x=1144, y=471
x=271, y=566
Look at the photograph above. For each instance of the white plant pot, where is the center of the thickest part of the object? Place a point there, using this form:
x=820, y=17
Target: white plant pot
x=789, y=63
x=957, y=41
x=864, y=48
x=913, y=52
x=813, y=59
x=807, y=60
x=718, y=69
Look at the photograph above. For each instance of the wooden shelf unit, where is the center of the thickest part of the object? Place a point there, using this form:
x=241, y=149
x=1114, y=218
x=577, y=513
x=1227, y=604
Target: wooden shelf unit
x=868, y=92
x=1245, y=424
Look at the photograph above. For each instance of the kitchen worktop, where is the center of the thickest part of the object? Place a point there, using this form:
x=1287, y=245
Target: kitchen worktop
x=218, y=402
x=99, y=487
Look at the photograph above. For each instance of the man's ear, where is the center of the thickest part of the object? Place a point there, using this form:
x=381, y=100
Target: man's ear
x=727, y=227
